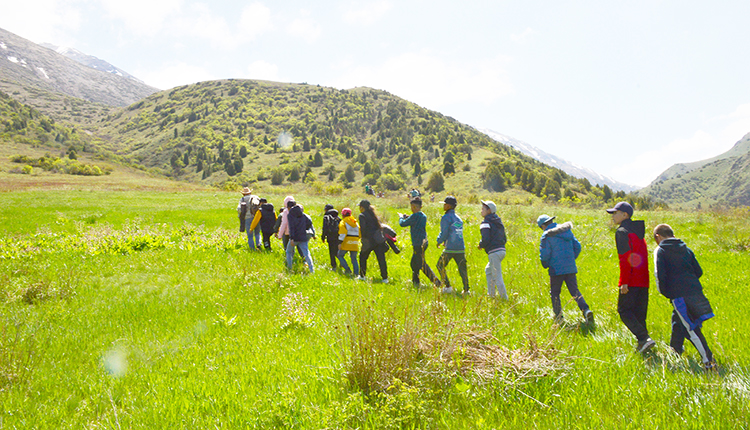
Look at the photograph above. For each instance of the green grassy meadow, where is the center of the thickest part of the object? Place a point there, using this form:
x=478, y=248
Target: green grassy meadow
x=135, y=309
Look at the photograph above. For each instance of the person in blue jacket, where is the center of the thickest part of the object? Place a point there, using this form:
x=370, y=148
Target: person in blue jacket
x=452, y=235
x=677, y=274
x=558, y=250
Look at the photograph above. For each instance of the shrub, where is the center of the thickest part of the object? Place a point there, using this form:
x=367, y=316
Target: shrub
x=436, y=183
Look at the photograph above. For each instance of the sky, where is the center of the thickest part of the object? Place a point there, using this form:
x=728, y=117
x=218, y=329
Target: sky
x=624, y=88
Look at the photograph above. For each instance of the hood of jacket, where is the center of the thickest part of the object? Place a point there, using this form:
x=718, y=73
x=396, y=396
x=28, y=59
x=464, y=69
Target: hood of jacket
x=673, y=245
x=296, y=212
x=637, y=227
x=332, y=212
x=351, y=221
x=287, y=199
x=562, y=231
x=493, y=219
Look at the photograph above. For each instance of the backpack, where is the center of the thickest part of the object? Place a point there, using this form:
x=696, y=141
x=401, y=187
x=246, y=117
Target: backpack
x=331, y=225
x=253, y=205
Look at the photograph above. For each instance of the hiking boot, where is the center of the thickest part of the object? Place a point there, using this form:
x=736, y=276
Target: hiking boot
x=646, y=345
x=386, y=281
x=466, y=293
x=361, y=278
x=589, y=316
x=447, y=290
x=711, y=366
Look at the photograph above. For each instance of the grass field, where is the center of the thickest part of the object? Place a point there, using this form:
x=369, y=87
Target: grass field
x=134, y=309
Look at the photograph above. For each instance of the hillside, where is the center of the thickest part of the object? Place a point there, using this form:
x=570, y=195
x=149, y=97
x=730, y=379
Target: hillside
x=721, y=179
x=254, y=131
x=26, y=67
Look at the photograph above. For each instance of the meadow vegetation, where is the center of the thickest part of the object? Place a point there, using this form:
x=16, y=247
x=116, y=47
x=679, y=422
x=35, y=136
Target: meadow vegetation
x=134, y=309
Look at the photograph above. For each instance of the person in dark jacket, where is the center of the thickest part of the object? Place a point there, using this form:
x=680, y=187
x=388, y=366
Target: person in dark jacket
x=372, y=240
x=677, y=274
x=493, y=243
x=417, y=223
x=632, y=303
x=297, y=224
x=330, y=234
x=452, y=236
x=266, y=218
x=558, y=250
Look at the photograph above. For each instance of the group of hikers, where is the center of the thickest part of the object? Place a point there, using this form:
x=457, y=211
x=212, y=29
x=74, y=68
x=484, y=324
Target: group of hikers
x=676, y=269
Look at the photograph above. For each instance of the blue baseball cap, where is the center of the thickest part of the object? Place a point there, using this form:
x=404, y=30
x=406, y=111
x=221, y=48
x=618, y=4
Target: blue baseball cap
x=622, y=207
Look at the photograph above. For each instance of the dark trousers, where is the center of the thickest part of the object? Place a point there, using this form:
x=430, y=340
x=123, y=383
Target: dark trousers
x=333, y=250
x=367, y=248
x=555, y=287
x=267, y=240
x=418, y=263
x=460, y=259
x=632, y=308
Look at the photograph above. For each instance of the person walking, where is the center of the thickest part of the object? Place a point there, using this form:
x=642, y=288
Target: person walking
x=298, y=238
x=247, y=208
x=373, y=240
x=632, y=303
x=493, y=242
x=558, y=251
x=677, y=274
x=330, y=233
x=417, y=223
x=349, y=235
x=452, y=236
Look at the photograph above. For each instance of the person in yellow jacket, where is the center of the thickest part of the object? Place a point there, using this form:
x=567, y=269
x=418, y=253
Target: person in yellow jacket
x=349, y=236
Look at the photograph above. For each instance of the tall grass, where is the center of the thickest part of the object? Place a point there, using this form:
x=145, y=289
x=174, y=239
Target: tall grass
x=146, y=310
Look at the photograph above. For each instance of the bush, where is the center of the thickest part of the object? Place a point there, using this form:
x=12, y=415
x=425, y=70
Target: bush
x=390, y=182
x=277, y=177
x=436, y=183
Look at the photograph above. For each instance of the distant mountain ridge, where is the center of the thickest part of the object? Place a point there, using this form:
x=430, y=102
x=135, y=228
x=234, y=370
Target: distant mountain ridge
x=89, y=61
x=26, y=67
x=721, y=179
x=555, y=161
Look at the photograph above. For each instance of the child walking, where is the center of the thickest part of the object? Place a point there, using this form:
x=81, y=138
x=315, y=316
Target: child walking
x=452, y=235
x=298, y=224
x=632, y=303
x=493, y=243
x=348, y=241
x=330, y=234
x=266, y=218
x=417, y=223
x=677, y=274
x=558, y=250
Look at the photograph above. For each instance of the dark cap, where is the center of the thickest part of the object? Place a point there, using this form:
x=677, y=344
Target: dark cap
x=328, y=207
x=622, y=207
x=450, y=200
x=290, y=204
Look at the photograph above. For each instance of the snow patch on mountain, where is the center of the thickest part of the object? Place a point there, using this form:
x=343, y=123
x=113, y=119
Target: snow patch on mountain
x=568, y=167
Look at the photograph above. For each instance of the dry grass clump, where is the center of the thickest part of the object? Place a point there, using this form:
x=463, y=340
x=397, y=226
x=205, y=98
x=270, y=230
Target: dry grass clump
x=418, y=348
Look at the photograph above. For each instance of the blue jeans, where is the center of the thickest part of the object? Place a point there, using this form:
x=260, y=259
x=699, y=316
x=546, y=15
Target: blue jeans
x=302, y=246
x=353, y=257
x=253, y=237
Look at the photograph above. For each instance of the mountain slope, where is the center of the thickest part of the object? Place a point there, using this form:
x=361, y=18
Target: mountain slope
x=724, y=178
x=25, y=65
x=251, y=131
x=89, y=61
x=555, y=161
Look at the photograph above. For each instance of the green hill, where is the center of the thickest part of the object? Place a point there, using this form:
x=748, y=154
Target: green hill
x=724, y=179
x=257, y=131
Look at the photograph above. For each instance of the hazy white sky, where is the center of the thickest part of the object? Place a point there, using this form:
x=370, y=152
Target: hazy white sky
x=625, y=88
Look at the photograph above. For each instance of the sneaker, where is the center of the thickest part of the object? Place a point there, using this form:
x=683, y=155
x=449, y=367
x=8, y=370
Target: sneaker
x=589, y=315
x=711, y=366
x=447, y=290
x=466, y=293
x=361, y=278
x=646, y=345
x=386, y=281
